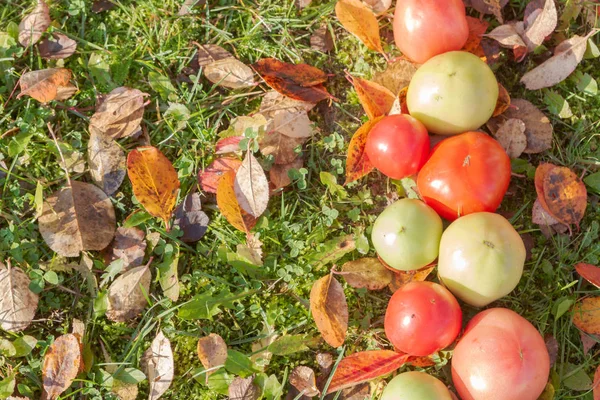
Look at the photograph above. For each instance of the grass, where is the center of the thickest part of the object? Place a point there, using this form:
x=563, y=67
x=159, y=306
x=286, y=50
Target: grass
x=123, y=47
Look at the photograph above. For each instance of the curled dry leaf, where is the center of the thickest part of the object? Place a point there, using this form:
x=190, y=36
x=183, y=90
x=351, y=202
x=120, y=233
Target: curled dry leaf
x=251, y=186
x=127, y=294
x=212, y=352
x=357, y=162
x=401, y=278
x=18, y=303
x=377, y=100
x=330, y=310
x=322, y=40
x=107, y=163
x=229, y=206
x=280, y=146
x=586, y=315
x=60, y=366
x=511, y=136
x=303, y=379
x=364, y=366
x=589, y=272
x=209, y=178
x=128, y=245
x=47, y=84
x=154, y=180
x=359, y=20
x=278, y=174
x=159, y=366
x=477, y=28
x=61, y=47
x=367, y=273
x=540, y=23
x=33, y=26
x=274, y=101
x=397, y=76
x=119, y=114
x=228, y=145
x=565, y=195
x=191, y=219
x=230, y=72
x=76, y=218
x=503, y=101
x=378, y=6
x=243, y=389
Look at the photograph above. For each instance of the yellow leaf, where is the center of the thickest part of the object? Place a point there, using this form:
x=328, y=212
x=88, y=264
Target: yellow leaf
x=229, y=206
x=359, y=20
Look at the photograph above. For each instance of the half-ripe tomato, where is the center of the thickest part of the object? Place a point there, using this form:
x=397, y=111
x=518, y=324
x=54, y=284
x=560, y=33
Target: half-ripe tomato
x=501, y=356
x=398, y=146
x=415, y=385
x=426, y=28
x=422, y=318
x=465, y=174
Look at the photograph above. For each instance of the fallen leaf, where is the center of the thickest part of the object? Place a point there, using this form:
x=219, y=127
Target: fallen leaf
x=60, y=366
x=322, y=40
x=332, y=250
x=294, y=124
x=77, y=218
x=397, y=76
x=278, y=174
x=18, y=303
x=378, y=6
x=329, y=310
x=127, y=294
x=364, y=366
x=274, y=101
x=511, y=136
x=503, y=102
x=421, y=362
x=540, y=24
x=508, y=36
x=129, y=246
x=45, y=85
x=359, y=20
x=188, y=5
x=325, y=363
x=587, y=342
x=241, y=125
x=251, y=186
x=229, y=72
x=540, y=216
x=303, y=379
x=401, y=278
x=61, y=47
x=108, y=165
x=243, y=389
x=491, y=50
x=557, y=68
x=303, y=3
x=357, y=161
x=169, y=274
x=120, y=113
x=212, y=352
x=191, y=219
x=596, y=384
x=33, y=26
x=376, y=100
x=209, y=53
x=154, y=180
x=586, y=315
x=477, y=28
x=229, y=206
x=102, y=5
x=280, y=146
x=159, y=366
x=228, y=145
x=565, y=195
x=589, y=272
x=209, y=178
x=488, y=7
x=552, y=347
x=366, y=273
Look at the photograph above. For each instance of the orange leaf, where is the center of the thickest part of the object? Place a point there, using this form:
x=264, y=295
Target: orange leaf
x=589, y=272
x=421, y=362
x=44, y=85
x=401, y=278
x=377, y=100
x=477, y=28
x=503, y=100
x=229, y=205
x=209, y=178
x=359, y=20
x=586, y=315
x=540, y=174
x=566, y=195
x=154, y=180
x=364, y=366
x=357, y=162
x=61, y=365
x=330, y=310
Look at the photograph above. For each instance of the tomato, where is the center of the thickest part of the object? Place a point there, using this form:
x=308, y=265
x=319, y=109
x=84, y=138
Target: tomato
x=415, y=385
x=501, y=356
x=465, y=174
x=453, y=93
x=481, y=258
x=426, y=28
x=398, y=146
x=422, y=318
x=407, y=234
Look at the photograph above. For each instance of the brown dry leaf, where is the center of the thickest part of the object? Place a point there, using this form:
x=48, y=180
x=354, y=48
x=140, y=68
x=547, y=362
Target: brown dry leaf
x=503, y=101
x=120, y=113
x=128, y=245
x=322, y=40
x=278, y=174
x=558, y=67
x=191, y=219
x=76, y=219
x=108, y=165
x=61, y=365
x=303, y=3
x=401, y=278
x=397, y=76
x=209, y=178
x=209, y=53
x=229, y=206
x=587, y=342
x=212, y=352
x=46, y=85
x=33, y=26
x=477, y=28
x=359, y=20
x=488, y=7
x=159, y=366
x=280, y=146
x=540, y=216
x=586, y=315
x=565, y=195
x=61, y=47
x=540, y=24
x=251, y=186
x=127, y=294
x=511, y=136
x=366, y=273
x=274, y=101
x=154, y=180
x=330, y=310
x=188, y=5
x=294, y=124
x=552, y=346
x=362, y=391
x=102, y=5
x=18, y=303
x=243, y=389
x=589, y=272
x=325, y=363
x=303, y=379
x=378, y=6
x=376, y=100
x=508, y=36
x=357, y=162
x=230, y=72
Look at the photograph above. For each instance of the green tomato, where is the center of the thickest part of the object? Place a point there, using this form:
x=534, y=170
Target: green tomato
x=415, y=386
x=407, y=234
x=481, y=258
x=453, y=93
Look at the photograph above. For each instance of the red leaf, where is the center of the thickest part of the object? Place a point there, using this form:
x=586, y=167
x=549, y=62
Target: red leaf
x=477, y=28
x=209, y=178
x=589, y=272
x=228, y=145
x=357, y=162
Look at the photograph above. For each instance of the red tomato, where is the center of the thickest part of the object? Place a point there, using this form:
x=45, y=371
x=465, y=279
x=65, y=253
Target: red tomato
x=501, y=356
x=426, y=28
x=465, y=174
x=398, y=146
x=422, y=318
